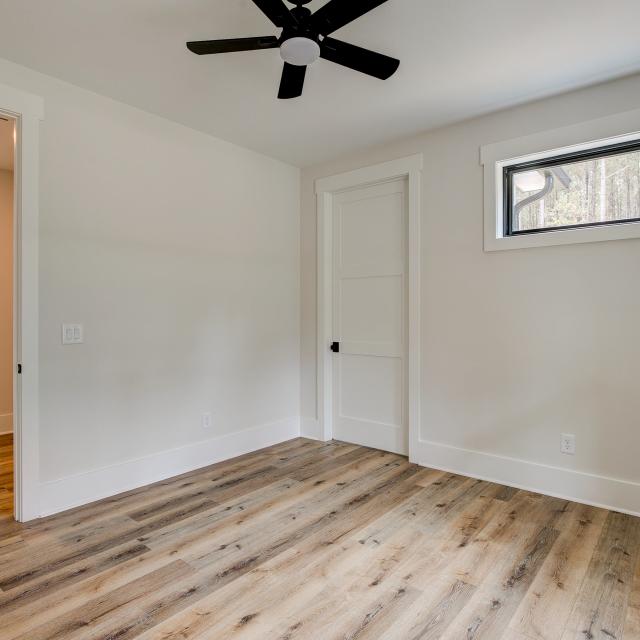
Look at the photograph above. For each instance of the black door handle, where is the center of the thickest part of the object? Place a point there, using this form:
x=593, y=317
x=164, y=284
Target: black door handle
x=335, y=347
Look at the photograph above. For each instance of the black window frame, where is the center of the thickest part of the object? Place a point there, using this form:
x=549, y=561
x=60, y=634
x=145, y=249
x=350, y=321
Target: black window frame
x=594, y=153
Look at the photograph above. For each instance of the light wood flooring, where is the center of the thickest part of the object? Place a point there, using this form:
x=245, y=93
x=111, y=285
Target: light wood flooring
x=323, y=542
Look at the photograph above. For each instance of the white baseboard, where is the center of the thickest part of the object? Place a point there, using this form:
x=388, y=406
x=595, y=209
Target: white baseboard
x=586, y=488
x=6, y=423
x=73, y=491
x=599, y=491
x=310, y=428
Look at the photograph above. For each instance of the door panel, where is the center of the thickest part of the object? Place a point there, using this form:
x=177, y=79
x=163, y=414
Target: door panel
x=360, y=374
x=372, y=310
x=369, y=316
x=382, y=244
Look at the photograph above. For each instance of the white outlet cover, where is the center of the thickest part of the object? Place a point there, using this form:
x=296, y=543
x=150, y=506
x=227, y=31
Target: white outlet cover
x=568, y=444
x=207, y=421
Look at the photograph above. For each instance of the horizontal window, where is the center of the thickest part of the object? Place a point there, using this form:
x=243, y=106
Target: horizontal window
x=592, y=188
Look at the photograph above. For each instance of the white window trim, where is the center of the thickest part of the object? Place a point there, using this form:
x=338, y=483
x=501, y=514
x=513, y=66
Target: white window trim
x=411, y=169
x=620, y=128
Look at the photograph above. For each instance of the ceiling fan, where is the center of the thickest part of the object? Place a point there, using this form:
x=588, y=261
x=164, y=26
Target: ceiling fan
x=305, y=38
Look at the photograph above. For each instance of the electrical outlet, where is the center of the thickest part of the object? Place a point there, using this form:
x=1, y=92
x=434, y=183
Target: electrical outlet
x=568, y=444
x=207, y=421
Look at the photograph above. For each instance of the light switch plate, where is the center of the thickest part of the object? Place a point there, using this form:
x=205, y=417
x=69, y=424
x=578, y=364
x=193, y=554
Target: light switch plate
x=72, y=334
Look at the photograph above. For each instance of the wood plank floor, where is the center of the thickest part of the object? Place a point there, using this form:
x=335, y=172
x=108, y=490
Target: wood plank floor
x=6, y=474
x=322, y=541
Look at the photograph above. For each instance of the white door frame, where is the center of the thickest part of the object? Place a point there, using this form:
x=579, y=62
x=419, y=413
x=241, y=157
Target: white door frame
x=28, y=110
x=410, y=168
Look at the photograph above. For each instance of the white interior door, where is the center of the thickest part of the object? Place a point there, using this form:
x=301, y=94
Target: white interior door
x=370, y=316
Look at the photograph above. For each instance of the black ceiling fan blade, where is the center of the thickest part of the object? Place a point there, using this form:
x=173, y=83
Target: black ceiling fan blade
x=207, y=47
x=337, y=13
x=276, y=11
x=292, y=81
x=349, y=55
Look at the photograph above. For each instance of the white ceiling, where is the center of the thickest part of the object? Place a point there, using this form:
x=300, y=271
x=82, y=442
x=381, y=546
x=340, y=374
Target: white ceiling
x=6, y=145
x=459, y=58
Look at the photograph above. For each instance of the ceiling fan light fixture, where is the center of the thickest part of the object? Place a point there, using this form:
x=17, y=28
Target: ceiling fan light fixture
x=300, y=52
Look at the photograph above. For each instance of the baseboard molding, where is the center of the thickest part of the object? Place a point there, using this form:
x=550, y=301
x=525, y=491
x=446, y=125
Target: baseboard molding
x=310, y=428
x=74, y=491
x=595, y=490
x=6, y=423
x=599, y=491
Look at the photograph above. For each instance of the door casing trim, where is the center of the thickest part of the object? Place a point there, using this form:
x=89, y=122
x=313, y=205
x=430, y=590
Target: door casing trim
x=28, y=111
x=410, y=168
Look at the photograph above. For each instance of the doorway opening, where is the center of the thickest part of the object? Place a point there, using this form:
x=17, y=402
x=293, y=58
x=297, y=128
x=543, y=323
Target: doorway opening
x=7, y=314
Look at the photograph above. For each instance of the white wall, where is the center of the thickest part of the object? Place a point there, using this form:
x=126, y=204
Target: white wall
x=180, y=255
x=517, y=346
x=6, y=301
